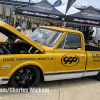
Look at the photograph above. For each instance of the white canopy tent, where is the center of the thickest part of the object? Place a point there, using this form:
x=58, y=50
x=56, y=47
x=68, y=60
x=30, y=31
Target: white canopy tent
x=71, y=10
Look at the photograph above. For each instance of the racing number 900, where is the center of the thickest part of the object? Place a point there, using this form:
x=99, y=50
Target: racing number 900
x=69, y=60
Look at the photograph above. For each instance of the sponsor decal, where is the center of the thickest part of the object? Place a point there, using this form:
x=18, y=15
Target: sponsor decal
x=47, y=58
x=38, y=14
x=63, y=18
x=25, y=59
x=70, y=60
x=43, y=7
x=96, y=57
x=86, y=21
x=91, y=14
x=7, y=66
x=57, y=3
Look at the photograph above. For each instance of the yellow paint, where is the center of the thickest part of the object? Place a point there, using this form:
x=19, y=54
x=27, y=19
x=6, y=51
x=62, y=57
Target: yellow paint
x=50, y=58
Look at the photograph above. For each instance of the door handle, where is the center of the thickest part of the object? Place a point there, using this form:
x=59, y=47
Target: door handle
x=81, y=55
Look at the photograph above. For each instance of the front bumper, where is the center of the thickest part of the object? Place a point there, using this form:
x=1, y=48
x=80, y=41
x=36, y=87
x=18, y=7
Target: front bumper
x=4, y=80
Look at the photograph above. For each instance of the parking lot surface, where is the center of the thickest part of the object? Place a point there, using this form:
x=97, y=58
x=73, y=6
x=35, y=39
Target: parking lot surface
x=74, y=89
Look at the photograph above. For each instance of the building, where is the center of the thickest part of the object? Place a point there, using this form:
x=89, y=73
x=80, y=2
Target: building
x=15, y=3
x=7, y=8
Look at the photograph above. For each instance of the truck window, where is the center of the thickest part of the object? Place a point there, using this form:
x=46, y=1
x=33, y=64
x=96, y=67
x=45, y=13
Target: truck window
x=70, y=41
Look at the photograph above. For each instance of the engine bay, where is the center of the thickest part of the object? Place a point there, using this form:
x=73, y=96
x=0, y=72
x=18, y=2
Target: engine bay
x=16, y=46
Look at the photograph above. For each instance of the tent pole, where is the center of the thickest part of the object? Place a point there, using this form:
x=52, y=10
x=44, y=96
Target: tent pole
x=15, y=21
x=69, y=4
x=63, y=24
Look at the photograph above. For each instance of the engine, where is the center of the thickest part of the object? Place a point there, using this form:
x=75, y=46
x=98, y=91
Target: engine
x=19, y=47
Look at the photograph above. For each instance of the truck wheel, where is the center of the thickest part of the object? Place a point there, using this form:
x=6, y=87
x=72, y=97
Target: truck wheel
x=27, y=76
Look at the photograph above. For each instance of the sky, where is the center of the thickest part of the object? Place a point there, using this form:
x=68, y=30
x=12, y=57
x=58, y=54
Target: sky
x=94, y=3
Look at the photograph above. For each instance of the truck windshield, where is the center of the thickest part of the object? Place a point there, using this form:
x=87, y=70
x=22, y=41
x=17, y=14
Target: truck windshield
x=45, y=37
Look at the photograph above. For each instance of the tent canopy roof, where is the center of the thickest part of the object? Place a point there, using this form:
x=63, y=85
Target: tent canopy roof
x=88, y=16
x=42, y=9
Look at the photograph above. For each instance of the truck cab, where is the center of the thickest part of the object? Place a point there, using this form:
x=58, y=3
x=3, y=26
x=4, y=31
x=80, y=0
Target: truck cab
x=52, y=52
x=74, y=58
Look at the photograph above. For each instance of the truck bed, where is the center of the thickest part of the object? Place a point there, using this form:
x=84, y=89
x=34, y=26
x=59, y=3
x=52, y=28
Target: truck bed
x=92, y=48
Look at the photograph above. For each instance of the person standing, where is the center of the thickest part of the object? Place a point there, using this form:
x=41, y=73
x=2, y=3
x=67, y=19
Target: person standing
x=30, y=24
x=1, y=19
x=17, y=24
x=24, y=26
x=18, y=28
x=34, y=26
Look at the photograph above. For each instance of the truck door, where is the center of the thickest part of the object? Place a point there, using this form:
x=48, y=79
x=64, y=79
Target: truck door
x=93, y=62
x=70, y=57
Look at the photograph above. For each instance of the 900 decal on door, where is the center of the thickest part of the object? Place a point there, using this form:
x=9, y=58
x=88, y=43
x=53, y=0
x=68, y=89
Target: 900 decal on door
x=70, y=60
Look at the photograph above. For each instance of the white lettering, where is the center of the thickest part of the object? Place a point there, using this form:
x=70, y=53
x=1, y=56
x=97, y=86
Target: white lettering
x=87, y=21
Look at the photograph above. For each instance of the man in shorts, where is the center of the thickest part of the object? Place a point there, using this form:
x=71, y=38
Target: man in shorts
x=24, y=26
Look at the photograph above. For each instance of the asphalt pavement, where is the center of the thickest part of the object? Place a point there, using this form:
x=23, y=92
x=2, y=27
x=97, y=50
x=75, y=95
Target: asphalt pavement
x=73, y=89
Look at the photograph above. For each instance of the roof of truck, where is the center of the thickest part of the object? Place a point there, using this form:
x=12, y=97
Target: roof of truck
x=60, y=29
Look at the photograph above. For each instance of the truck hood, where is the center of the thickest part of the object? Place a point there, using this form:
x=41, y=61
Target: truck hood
x=8, y=31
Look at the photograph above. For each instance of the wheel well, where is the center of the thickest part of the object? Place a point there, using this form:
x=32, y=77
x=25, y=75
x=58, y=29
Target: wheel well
x=41, y=73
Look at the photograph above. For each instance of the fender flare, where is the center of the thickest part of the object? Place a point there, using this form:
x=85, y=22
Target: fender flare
x=24, y=64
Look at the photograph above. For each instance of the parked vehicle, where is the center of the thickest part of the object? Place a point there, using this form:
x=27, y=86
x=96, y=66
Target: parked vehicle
x=50, y=52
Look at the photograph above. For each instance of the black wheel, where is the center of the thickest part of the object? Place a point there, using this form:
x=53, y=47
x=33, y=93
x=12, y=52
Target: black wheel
x=27, y=76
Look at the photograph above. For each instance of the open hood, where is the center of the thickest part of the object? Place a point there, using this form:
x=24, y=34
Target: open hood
x=10, y=31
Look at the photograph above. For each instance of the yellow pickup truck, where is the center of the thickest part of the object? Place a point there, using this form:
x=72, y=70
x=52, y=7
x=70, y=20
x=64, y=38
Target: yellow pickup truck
x=49, y=52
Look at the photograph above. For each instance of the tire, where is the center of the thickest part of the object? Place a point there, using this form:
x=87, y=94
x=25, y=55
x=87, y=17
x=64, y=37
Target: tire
x=98, y=76
x=25, y=77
